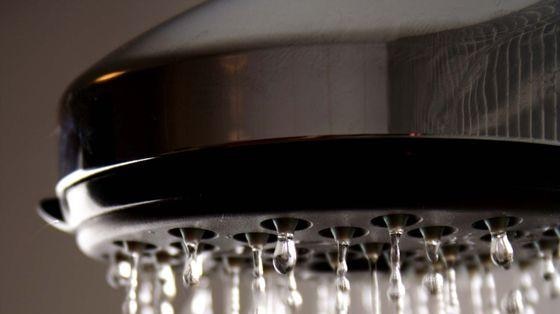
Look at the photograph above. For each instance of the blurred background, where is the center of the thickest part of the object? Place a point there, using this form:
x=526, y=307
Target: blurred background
x=44, y=45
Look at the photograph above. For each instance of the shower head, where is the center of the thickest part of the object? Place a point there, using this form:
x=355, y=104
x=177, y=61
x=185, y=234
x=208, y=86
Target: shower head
x=228, y=140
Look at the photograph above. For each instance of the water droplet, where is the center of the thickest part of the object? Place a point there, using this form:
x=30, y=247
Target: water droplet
x=342, y=283
x=130, y=305
x=555, y=286
x=432, y=250
x=167, y=278
x=118, y=272
x=512, y=303
x=192, y=270
x=433, y=281
x=285, y=255
x=113, y=277
x=501, y=250
x=146, y=294
x=258, y=284
x=547, y=265
x=396, y=290
x=339, y=264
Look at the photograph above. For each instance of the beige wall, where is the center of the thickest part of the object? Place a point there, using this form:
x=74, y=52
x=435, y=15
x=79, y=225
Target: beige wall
x=43, y=46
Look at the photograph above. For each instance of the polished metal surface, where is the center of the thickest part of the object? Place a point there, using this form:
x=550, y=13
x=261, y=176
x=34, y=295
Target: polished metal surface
x=225, y=26
x=497, y=79
x=328, y=181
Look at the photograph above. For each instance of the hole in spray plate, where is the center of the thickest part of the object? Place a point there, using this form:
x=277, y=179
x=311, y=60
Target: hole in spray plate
x=445, y=231
x=408, y=218
x=206, y=235
x=481, y=224
x=358, y=247
x=301, y=224
x=459, y=247
x=146, y=246
x=242, y=237
x=357, y=232
x=301, y=251
x=551, y=232
x=202, y=247
x=512, y=235
x=322, y=256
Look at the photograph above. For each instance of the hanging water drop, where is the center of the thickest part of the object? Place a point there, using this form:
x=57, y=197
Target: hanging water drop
x=433, y=280
x=512, y=303
x=395, y=224
x=548, y=269
x=555, y=286
x=259, y=283
x=396, y=290
x=342, y=284
x=432, y=249
x=118, y=271
x=285, y=254
x=256, y=241
x=432, y=241
x=451, y=255
x=168, y=282
x=545, y=252
x=192, y=270
x=342, y=236
x=501, y=250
